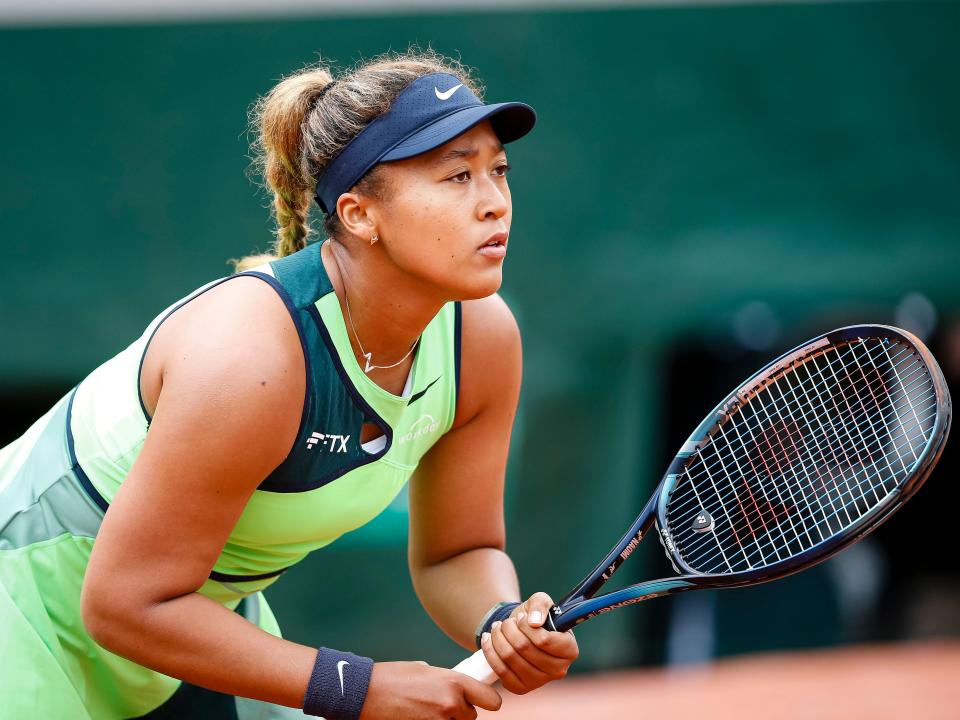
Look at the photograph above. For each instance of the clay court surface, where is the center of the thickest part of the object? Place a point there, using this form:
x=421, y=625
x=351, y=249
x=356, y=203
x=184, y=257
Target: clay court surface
x=916, y=681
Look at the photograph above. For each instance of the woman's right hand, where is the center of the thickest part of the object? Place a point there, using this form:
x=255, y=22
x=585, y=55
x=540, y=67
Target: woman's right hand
x=417, y=691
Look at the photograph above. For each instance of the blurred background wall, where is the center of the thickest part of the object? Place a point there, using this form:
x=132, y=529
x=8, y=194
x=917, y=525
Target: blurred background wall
x=708, y=185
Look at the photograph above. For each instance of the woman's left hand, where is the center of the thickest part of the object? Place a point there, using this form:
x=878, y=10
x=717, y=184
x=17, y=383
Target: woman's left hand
x=523, y=653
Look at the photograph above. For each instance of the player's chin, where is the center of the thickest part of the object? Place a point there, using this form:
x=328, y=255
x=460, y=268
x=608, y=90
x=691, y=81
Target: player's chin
x=478, y=282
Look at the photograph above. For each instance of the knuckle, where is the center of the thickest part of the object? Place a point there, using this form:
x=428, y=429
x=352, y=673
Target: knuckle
x=563, y=648
x=551, y=647
x=514, y=687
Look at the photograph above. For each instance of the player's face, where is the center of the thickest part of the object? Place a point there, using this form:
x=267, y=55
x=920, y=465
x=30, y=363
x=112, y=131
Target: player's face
x=446, y=214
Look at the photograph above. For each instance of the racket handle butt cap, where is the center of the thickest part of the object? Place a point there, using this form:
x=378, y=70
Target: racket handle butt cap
x=477, y=667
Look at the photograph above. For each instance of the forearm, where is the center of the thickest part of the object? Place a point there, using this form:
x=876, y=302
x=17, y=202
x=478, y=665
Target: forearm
x=456, y=592
x=201, y=642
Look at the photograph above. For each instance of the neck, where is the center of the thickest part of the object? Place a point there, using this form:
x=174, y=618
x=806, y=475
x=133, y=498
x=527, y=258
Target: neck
x=389, y=309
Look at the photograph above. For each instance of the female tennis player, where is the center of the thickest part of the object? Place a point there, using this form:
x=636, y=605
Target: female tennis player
x=272, y=411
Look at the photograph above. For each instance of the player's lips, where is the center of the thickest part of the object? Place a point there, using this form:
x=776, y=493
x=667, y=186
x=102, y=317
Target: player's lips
x=495, y=246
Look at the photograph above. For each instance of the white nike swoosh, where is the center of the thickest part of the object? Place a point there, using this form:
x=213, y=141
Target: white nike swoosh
x=340, y=670
x=446, y=95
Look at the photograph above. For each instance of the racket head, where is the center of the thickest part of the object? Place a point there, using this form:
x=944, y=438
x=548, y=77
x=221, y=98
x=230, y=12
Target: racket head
x=807, y=456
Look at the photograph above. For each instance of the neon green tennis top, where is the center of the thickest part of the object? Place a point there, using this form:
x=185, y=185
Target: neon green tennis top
x=329, y=483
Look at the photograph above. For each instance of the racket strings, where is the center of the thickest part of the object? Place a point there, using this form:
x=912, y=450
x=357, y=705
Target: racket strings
x=790, y=397
x=761, y=514
x=774, y=520
x=775, y=456
x=831, y=514
x=855, y=430
x=815, y=449
x=766, y=520
x=808, y=453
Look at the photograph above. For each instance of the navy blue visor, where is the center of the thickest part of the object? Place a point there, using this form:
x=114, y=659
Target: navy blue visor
x=432, y=110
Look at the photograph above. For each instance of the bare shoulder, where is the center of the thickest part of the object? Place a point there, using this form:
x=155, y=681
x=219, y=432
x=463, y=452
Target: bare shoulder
x=247, y=312
x=224, y=380
x=489, y=320
x=490, y=357
x=237, y=345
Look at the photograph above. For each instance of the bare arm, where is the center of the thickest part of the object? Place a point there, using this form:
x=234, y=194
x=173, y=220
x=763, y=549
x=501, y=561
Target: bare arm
x=226, y=415
x=457, y=537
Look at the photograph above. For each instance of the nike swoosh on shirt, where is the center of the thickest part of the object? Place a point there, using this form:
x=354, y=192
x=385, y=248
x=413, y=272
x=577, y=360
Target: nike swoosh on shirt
x=447, y=93
x=417, y=396
x=340, y=670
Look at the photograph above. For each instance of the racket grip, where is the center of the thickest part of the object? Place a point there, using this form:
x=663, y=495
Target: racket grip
x=477, y=667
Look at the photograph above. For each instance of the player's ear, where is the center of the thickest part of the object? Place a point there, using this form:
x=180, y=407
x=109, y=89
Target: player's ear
x=356, y=215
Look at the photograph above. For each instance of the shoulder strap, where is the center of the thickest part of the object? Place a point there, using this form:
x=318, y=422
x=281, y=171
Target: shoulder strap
x=303, y=275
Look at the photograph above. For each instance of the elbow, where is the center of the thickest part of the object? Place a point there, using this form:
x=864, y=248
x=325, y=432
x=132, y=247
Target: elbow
x=421, y=562
x=106, y=617
x=95, y=614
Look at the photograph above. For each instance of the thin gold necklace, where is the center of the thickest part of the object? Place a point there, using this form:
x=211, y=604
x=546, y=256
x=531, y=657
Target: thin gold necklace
x=367, y=356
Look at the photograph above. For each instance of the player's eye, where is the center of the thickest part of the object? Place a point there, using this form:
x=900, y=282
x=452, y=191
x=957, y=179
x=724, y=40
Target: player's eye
x=461, y=177
x=502, y=169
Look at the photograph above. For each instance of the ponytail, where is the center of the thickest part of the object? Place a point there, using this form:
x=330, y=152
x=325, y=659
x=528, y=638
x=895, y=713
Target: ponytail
x=281, y=116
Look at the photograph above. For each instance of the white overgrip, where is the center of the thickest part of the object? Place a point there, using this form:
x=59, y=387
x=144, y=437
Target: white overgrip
x=477, y=667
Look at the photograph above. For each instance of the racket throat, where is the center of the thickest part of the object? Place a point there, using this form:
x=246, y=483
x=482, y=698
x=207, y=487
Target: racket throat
x=597, y=577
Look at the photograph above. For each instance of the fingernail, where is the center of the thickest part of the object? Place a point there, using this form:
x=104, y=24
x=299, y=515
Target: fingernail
x=485, y=638
x=521, y=615
x=536, y=618
x=495, y=625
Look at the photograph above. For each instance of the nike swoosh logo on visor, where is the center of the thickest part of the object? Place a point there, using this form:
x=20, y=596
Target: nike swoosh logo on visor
x=447, y=94
x=417, y=396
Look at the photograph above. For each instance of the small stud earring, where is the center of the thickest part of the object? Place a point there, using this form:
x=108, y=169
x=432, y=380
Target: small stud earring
x=374, y=238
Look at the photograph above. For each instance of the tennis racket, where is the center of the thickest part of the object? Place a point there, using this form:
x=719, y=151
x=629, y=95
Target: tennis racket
x=803, y=459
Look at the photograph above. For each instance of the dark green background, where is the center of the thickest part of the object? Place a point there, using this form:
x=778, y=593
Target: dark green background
x=686, y=161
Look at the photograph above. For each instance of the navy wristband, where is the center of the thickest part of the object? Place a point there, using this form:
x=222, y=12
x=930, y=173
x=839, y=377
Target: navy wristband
x=338, y=685
x=500, y=611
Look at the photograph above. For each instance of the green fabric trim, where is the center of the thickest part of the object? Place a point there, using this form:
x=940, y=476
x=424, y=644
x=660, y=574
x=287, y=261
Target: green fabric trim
x=42, y=497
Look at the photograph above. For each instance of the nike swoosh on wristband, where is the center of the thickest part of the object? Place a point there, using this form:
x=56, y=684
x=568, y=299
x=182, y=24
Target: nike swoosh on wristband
x=448, y=93
x=340, y=670
x=417, y=396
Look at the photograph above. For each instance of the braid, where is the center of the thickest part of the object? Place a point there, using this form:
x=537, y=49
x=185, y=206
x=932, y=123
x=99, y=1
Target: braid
x=291, y=209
